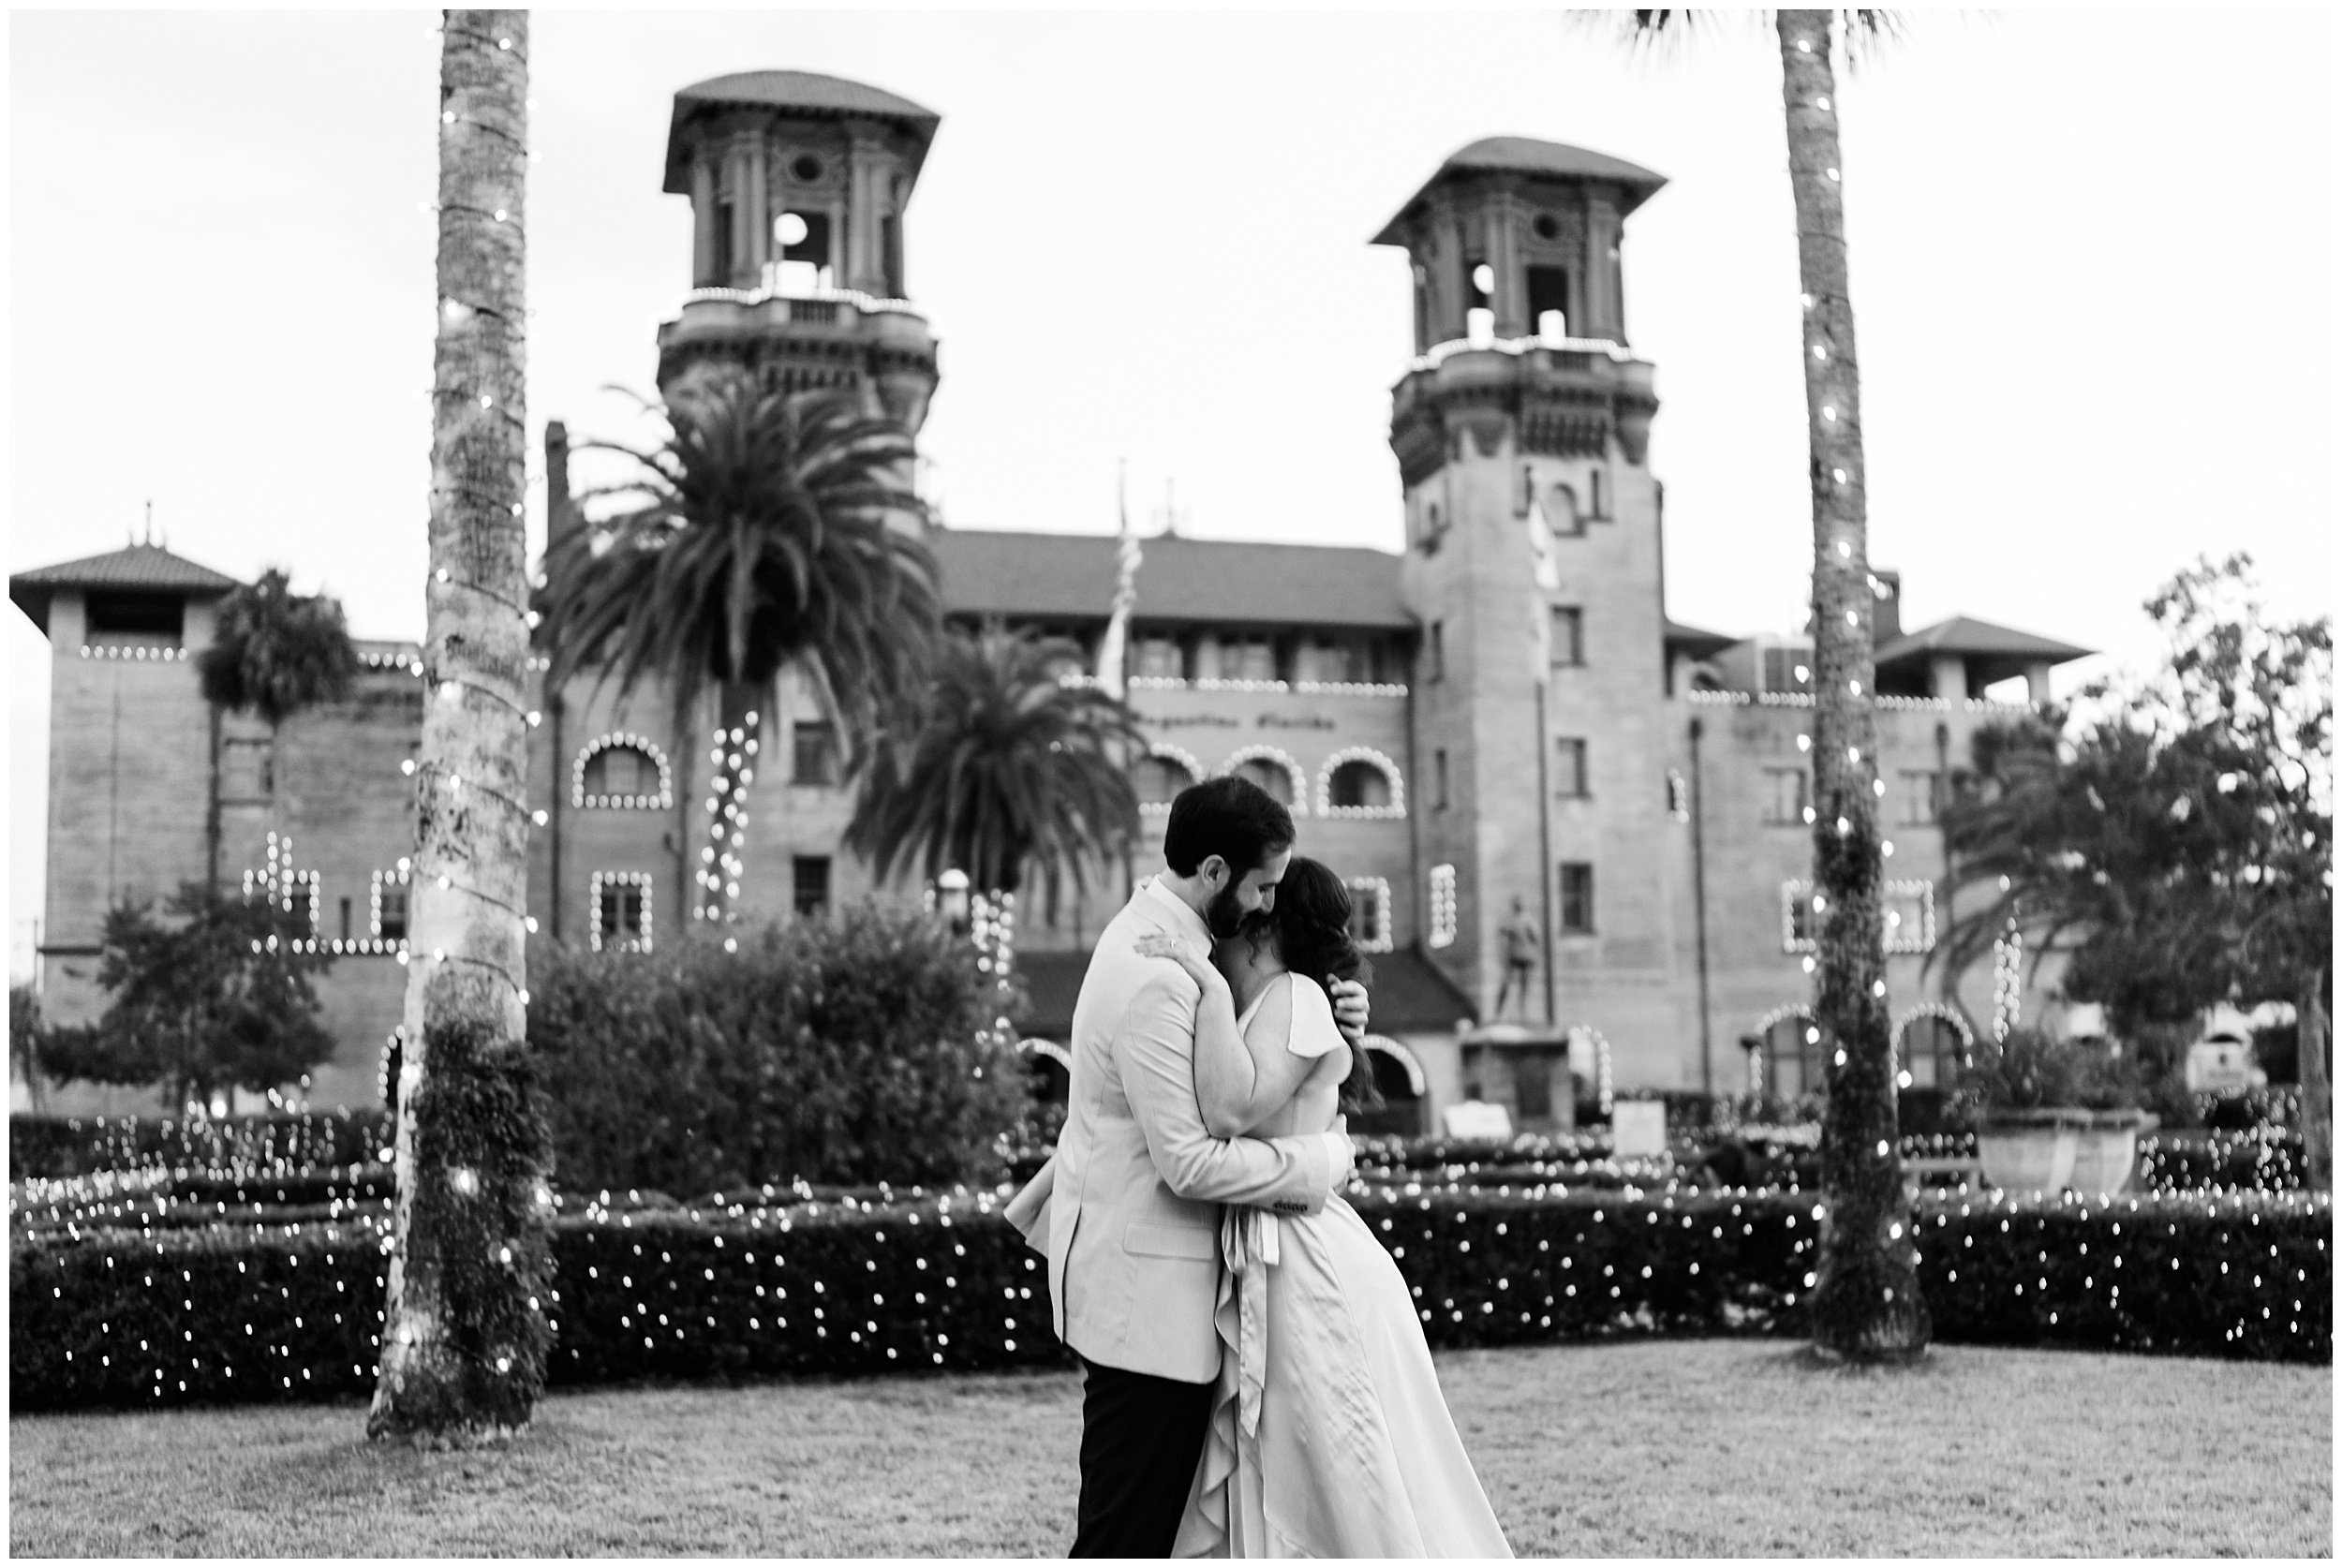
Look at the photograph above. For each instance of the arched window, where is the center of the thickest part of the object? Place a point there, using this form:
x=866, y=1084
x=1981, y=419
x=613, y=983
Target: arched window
x=1161, y=774
x=1273, y=771
x=1049, y=1069
x=1398, y=1077
x=1360, y=782
x=1932, y=1044
x=622, y=772
x=1795, y=1054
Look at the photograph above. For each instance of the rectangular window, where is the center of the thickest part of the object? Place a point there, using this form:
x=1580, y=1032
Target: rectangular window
x=1435, y=658
x=1570, y=777
x=1576, y=897
x=621, y=912
x=1787, y=797
x=135, y=617
x=813, y=754
x=1797, y=924
x=1441, y=889
x=1247, y=658
x=1569, y=636
x=1439, y=779
x=345, y=920
x=1907, y=917
x=1788, y=669
x=809, y=877
x=1922, y=796
x=1157, y=658
x=391, y=924
x=1909, y=912
x=1561, y=514
x=1370, y=913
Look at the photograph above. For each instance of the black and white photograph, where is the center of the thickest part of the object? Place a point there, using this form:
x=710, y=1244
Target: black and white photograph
x=1142, y=783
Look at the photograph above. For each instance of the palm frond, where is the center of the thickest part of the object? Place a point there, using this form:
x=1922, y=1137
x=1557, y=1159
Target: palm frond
x=762, y=531
x=1002, y=769
x=276, y=652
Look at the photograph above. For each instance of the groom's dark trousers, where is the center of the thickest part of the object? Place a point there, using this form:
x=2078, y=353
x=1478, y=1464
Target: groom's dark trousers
x=1142, y=1436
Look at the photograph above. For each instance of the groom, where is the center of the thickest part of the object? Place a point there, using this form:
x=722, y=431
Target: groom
x=1133, y=1219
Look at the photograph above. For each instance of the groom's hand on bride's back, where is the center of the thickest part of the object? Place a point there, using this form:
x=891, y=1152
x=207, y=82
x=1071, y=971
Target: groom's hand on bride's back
x=1349, y=1000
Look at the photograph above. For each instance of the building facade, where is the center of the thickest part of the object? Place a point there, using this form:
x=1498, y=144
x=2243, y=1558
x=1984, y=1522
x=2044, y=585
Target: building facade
x=1497, y=735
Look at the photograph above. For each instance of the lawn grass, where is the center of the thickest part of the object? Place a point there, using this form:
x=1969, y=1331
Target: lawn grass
x=1719, y=1447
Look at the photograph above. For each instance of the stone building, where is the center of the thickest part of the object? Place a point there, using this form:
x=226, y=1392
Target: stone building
x=1504, y=712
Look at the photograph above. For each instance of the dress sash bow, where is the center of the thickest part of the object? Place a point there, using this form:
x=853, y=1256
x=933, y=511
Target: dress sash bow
x=1249, y=1237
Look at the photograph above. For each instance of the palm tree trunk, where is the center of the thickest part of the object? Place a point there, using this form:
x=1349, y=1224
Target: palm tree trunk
x=2310, y=1034
x=466, y=1330
x=738, y=718
x=1865, y=1301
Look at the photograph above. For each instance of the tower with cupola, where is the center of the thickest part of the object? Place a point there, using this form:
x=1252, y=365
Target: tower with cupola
x=1534, y=569
x=798, y=185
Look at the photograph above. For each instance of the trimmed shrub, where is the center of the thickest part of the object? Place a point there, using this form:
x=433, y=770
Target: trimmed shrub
x=852, y=1049
x=290, y=1142
x=116, y=1318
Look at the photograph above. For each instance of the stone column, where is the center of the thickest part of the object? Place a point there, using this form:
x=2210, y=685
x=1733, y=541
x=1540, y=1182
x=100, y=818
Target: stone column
x=757, y=208
x=737, y=264
x=707, y=267
x=1604, y=317
x=2036, y=684
x=865, y=267
x=1948, y=677
x=1492, y=240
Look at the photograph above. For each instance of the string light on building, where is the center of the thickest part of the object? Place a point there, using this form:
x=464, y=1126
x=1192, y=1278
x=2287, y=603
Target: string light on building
x=2008, y=980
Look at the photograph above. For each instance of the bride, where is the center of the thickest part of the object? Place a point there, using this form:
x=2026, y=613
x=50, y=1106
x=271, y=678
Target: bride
x=1328, y=1436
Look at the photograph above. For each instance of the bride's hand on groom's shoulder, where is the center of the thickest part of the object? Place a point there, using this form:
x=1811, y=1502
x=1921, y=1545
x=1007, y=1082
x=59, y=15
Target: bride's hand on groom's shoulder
x=1163, y=944
x=1350, y=1009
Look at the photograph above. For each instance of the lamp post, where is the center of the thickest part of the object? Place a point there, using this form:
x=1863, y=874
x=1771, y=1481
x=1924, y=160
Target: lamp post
x=951, y=900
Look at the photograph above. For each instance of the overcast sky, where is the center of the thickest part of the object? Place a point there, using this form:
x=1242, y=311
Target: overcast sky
x=2093, y=265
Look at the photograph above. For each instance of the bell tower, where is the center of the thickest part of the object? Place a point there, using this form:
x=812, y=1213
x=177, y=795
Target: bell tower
x=798, y=183
x=1533, y=568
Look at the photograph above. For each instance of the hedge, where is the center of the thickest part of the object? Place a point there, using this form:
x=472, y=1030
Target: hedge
x=289, y=1143
x=123, y=1317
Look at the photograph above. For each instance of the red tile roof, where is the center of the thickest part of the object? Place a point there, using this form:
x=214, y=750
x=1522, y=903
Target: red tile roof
x=1524, y=154
x=1071, y=576
x=138, y=566
x=801, y=93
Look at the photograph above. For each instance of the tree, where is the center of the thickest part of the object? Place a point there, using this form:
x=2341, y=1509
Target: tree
x=764, y=531
x=220, y=994
x=1000, y=769
x=465, y=1331
x=2178, y=835
x=1865, y=1301
x=275, y=652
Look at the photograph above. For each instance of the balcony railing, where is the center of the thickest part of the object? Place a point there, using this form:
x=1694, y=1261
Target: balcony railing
x=821, y=304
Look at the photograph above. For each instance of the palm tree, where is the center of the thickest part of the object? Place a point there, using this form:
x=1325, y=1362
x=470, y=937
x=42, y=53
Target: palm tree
x=275, y=652
x=465, y=1333
x=1865, y=1300
x=766, y=532
x=1002, y=769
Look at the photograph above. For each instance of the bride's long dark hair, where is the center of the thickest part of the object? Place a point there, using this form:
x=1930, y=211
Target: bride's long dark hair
x=1311, y=926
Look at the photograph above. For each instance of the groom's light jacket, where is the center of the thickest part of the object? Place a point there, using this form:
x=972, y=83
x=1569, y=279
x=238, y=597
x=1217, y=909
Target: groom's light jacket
x=1134, y=1216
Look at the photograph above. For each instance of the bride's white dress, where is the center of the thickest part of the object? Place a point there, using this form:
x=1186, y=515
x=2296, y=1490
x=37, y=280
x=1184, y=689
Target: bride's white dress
x=1329, y=1436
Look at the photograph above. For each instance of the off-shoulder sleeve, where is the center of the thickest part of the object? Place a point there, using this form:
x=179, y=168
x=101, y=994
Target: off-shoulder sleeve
x=1313, y=1032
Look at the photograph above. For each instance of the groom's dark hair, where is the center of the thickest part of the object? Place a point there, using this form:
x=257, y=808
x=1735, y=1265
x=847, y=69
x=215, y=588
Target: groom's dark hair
x=1229, y=817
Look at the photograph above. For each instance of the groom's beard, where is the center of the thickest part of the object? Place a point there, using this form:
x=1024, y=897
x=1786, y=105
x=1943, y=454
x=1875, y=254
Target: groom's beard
x=1223, y=916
